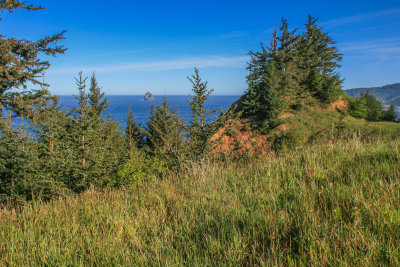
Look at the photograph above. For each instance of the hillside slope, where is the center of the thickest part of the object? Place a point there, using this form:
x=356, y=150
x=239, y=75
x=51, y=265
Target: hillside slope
x=297, y=128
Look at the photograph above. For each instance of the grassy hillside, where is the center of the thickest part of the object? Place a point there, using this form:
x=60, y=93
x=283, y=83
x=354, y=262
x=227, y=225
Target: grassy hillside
x=298, y=128
x=314, y=124
x=336, y=204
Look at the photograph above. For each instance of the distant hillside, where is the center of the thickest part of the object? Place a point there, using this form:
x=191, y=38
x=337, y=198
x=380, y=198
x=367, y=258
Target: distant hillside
x=387, y=94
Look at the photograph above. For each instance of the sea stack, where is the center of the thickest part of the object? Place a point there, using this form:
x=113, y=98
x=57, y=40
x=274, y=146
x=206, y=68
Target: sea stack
x=148, y=97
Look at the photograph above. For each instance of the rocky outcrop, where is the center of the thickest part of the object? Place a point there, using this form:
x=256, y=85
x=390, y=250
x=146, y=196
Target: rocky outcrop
x=148, y=97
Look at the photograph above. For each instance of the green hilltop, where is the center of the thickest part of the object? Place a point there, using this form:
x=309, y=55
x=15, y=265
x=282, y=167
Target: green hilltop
x=295, y=96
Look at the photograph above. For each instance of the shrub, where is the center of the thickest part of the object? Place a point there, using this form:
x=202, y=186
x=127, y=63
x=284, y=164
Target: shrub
x=140, y=168
x=358, y=108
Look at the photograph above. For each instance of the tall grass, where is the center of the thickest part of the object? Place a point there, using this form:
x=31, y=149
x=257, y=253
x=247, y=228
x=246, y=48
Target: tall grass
x=336, y=204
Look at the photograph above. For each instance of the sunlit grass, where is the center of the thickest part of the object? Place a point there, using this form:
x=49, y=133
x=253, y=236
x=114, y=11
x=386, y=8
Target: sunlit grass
x=331, y=204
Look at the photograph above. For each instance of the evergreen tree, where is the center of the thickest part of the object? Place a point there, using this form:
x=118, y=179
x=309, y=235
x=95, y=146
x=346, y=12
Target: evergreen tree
x=98, y=104
x=164, y=135
x=21, y=61
x=286, y=61
x=374, y=107
x=271, y=79
x=98, y=145
x=264, y=100
x=200, y=130
x=358, y=107
x=78, y=130
x=108, y=152
x=319, y=60
x=133, y=131
x=390, y=114
x=53, y=147
x=13, y=163
x=293, y=70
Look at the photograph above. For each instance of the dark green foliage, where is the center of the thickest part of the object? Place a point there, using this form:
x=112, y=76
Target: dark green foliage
x=133, y=131
x=388, y=93
x=319, y=61
x=200, y=130
x=358, y=107
x=264, y=100
x=53, y=148
x=25, y=166
x=284, y=141
x=164, y=135
x=108, y=152
x=13, y=164
x=77, y=150
x=293, y=71
x=367, y=106
x=390, y=114
x=374, y=107
x=21, y=60
x=97, y=145
x=98, y=104
x=140, y=168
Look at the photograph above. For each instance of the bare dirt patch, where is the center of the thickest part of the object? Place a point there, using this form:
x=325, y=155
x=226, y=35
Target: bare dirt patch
x=340, y=104
x=238, y=137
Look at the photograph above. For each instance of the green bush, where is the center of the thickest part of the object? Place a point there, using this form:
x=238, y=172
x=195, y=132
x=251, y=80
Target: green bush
x=283, y=141
x=139, y=168
x=358, y=108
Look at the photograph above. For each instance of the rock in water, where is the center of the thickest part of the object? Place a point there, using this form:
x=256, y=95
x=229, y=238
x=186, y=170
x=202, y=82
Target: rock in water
x=148, y=97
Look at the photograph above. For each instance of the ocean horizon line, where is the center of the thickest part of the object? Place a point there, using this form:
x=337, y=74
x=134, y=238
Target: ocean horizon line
x=153, y=95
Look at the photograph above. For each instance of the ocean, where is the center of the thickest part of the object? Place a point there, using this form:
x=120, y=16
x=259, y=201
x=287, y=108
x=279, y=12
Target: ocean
x=119, y=105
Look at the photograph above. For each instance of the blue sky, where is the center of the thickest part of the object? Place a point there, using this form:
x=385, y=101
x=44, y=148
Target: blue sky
x=139, y=46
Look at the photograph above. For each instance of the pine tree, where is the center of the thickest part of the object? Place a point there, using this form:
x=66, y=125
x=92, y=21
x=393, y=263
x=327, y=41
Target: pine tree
x=52, y=149
x=264, y=100
x=200, y=130
x=164, y=135
x=78, y=128
x=293, y=71
x=390, y=114
x=19, y=178
x=319, y=60
x=285, y=60
x=98, y=145
x=21, y=61
x=358, y=107
x=133, y=131
x=12, y=164
x=374, y=107
x=108, y=152
x=98, y=104
x=271, y=84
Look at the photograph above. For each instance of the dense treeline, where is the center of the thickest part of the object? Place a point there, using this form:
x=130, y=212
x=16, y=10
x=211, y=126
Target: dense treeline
x=388, y=93
x=368, y=107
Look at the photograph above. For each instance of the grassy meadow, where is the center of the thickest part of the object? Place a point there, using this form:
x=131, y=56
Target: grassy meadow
x=332, y=204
